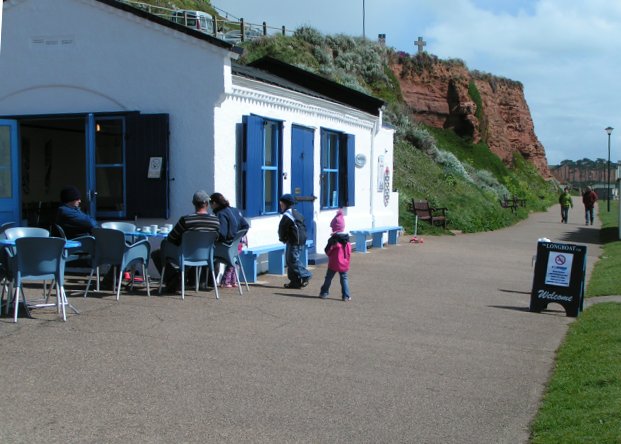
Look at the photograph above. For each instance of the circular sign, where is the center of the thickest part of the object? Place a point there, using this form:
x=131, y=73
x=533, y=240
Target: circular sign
x=360, y=160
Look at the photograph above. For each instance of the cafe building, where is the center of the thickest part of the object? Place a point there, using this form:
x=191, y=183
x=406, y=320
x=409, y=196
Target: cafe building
x=138, y=112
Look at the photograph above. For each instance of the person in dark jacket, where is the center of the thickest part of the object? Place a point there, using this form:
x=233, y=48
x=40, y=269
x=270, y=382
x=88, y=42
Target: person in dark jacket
x=292, y=232
x=588, y=199
x=231, y=222
x=70, y=217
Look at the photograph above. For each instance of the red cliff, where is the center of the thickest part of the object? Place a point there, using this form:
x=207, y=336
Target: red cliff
x=445, y=94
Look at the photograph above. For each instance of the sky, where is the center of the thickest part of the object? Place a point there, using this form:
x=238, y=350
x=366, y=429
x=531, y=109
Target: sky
x=566, y=53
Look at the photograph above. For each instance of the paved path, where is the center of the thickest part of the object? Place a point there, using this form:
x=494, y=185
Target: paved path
x=437, y=346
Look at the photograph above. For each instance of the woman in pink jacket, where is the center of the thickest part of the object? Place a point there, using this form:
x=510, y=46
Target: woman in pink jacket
x=338, y=251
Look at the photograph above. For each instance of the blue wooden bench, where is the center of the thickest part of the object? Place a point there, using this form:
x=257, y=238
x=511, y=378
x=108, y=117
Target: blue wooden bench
x=275, y=259
x=377, y=233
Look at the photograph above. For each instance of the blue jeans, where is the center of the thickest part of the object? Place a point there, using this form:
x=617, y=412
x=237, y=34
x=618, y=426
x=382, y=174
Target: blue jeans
x=325, y=288
x=564, y=214
x=588, y=213
x=296, y=271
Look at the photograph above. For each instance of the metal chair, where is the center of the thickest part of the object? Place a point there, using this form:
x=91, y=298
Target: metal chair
x=229, y=255
x=111, y=249
x=196, y=250
x=40, y=259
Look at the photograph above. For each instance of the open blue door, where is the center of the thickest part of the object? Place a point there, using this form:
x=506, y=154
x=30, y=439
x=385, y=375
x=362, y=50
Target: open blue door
x=10, y=207
x=302, y=161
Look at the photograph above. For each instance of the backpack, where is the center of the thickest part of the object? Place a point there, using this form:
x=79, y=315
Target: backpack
x=298, y=229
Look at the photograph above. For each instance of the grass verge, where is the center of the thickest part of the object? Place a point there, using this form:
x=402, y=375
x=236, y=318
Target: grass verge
x=606, y=279
x=583, y=400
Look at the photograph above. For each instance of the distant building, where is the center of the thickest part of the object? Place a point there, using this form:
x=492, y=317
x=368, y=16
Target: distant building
x=578, y=174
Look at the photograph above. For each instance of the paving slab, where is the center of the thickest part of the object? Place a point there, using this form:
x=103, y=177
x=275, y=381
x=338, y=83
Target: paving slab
x=436, y=346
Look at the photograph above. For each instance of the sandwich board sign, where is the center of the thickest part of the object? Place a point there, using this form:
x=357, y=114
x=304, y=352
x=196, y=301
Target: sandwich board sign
x=559, y=277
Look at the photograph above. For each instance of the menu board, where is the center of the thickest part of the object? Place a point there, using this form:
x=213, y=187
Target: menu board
x=559, y=277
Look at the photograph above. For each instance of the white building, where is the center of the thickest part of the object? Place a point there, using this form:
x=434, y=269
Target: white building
x=139, y=112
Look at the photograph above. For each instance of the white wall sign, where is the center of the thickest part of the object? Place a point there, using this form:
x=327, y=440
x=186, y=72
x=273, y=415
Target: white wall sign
x=155, y=168
x=559, y=269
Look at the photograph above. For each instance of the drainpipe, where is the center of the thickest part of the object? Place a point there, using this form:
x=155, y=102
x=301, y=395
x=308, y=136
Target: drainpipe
x=372, y=164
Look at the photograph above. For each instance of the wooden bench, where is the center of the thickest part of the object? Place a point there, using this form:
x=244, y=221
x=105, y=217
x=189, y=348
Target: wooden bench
x=377, y=234
x=512, y=203
x=275, y=259
x=422, y=210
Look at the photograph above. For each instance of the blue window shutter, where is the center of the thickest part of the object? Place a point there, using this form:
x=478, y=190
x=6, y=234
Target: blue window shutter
x=254, y=160
x=349, y=171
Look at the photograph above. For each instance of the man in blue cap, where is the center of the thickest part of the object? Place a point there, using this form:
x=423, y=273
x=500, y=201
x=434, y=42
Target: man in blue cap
x=292, y=232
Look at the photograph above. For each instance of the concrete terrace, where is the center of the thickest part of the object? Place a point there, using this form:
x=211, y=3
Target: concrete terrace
x=437, y=346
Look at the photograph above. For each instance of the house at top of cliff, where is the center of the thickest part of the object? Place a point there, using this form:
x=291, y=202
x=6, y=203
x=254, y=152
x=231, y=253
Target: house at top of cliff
x=139, y=112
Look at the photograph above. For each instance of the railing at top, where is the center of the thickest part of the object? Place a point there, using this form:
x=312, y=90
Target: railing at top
x=232, y=31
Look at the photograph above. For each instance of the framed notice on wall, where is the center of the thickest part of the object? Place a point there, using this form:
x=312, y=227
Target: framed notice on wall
x=155, y=168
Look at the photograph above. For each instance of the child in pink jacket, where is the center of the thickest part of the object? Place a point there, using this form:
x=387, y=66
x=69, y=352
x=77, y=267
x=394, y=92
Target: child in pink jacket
x=338, y=251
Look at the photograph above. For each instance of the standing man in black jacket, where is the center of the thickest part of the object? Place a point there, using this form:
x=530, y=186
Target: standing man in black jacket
x=292, y=232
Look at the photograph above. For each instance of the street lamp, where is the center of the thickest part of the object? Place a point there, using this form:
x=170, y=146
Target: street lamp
x=363, y=19
x=609, y=132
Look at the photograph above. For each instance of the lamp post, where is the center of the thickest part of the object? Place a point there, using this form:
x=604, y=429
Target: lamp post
x=363, y=20
x=609, y=132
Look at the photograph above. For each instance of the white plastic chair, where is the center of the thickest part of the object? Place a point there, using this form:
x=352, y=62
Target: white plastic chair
x=40, y=259
x=111, y=249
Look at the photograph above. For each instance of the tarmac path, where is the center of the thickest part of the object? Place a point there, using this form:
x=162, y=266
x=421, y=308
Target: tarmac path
x=437, y=346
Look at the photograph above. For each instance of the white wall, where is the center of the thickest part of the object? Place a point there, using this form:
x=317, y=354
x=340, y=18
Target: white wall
x=111, y=61
x=252, y=97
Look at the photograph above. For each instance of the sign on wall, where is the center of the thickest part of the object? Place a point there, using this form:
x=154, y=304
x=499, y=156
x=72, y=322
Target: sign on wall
x=155, y=168
x=559, y=277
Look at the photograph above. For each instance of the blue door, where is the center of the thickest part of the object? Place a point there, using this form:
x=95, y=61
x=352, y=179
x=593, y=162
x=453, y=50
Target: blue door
x=9, y=175
x=302, y=161
x=105, y=160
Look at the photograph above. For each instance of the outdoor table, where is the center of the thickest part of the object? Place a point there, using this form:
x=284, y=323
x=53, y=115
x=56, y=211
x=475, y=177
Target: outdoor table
x=68, y=244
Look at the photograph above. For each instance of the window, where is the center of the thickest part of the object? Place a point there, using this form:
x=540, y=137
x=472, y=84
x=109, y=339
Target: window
x=337, y=169
x=261, y=160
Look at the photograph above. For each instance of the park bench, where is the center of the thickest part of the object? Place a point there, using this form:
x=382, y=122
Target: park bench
x=377, y=234
x=513, y=203
x=275, y=259
x=422, y=210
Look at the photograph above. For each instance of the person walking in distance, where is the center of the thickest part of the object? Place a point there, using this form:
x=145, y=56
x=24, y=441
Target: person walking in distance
x=338, y=251
x=589, y=197
x=292, y=232
x=566, y=203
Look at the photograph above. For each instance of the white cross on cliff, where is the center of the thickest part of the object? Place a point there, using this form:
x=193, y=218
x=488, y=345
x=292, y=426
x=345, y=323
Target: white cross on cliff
x=420, y=43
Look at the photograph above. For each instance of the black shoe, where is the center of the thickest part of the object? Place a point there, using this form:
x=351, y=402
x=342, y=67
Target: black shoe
x=304, y=282
x=292, y=285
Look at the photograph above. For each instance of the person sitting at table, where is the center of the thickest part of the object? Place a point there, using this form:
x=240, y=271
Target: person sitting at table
x=200, y=220
x=70, y=217
x=231, y=221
